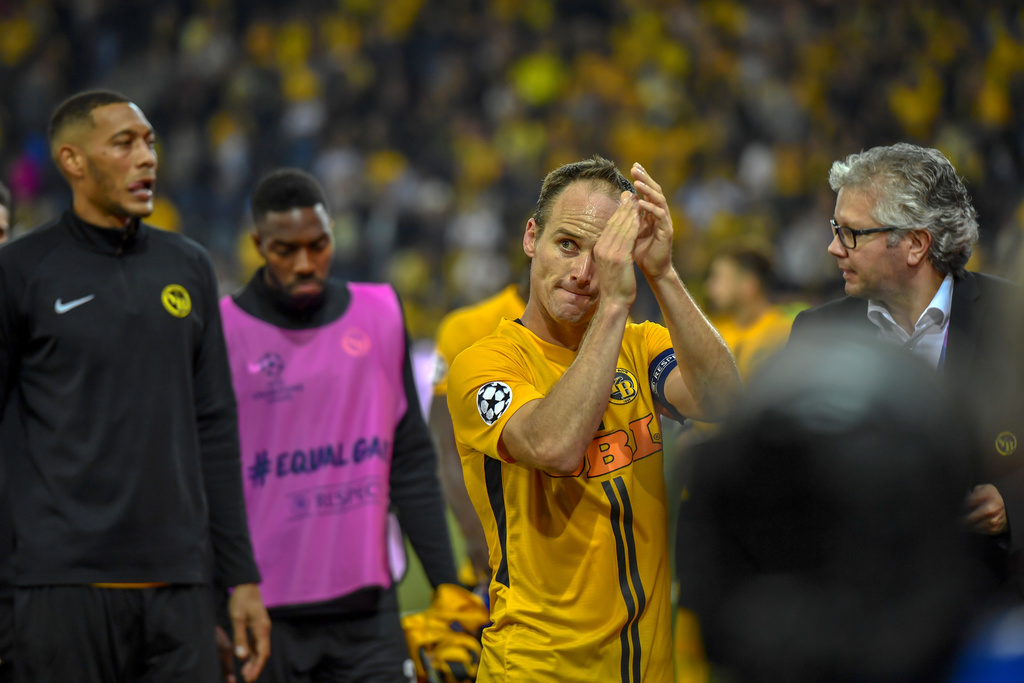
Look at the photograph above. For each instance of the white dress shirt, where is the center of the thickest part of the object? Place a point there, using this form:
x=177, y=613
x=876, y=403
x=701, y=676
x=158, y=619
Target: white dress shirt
x=929, y=338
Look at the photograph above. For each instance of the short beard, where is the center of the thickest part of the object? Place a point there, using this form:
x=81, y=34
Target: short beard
x=108, y=188
x=296, y=303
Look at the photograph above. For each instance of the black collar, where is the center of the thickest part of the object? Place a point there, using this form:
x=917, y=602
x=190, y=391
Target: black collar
x=106, y=240
x=269, y=304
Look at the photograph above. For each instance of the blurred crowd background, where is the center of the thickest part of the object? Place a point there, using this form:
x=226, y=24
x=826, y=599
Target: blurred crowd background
x=431, y=124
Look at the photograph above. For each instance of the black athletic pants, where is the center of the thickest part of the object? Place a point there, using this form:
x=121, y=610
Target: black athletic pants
x=354, y=648
x=102, y=635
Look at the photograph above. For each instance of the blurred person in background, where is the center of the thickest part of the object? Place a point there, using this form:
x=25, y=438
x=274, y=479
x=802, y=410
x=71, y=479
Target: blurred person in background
x=332, y=435
x=738, y=286
x=557, y=418
x=824, y=537
x=903, y=231
x=459, y=330
x=126, y=489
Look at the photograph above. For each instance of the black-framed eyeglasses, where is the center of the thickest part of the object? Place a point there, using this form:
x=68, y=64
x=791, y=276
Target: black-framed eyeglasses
x=848, y=236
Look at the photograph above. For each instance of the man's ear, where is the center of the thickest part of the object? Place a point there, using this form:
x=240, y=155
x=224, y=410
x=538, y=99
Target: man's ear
x=920, y=243
x=256, y=241
x=70, y=160
x=530, y=238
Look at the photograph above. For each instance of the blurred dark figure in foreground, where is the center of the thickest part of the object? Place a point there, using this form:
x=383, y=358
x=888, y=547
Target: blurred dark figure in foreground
x=824, y=537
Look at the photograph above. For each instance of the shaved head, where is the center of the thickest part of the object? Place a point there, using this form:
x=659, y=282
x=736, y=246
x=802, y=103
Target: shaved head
x=75, y=112
x=105, y=148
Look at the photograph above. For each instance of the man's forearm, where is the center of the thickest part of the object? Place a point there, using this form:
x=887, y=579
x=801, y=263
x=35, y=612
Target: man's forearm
x=705, y=363
x=234, y=563
x=556, y=433
x=416, y=491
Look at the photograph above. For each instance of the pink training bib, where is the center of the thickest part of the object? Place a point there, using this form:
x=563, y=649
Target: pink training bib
x=317, y=415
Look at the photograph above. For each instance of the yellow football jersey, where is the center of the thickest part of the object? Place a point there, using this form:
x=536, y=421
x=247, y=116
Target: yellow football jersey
x=753, y=345
x=580, y=584
x=464, y=326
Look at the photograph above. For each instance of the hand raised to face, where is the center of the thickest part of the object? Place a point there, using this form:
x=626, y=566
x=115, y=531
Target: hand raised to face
x=653, y=250
x=613, y=252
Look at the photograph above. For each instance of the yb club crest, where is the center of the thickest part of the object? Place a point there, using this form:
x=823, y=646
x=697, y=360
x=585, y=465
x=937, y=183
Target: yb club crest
x=623, y=387
x=1006, y=443
x=176, y=300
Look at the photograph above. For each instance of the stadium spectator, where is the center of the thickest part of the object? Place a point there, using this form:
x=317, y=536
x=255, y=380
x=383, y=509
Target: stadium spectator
x=126, y=490
x=411, y=113
x=557, y=420
x=332, y=435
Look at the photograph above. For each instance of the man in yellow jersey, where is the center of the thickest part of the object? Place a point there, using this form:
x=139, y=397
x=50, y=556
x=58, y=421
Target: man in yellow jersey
x=457, y=332
x=751, y=325
x=754, y=329
x=557, y=421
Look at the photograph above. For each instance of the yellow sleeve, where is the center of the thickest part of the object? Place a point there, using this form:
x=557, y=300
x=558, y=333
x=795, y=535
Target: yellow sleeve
x=765, y=339
x=488, y=383
x=657, y=337
x=449, y=343
x=661, y=360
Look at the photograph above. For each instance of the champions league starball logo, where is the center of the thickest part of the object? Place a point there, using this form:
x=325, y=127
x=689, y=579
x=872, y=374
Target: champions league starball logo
x=492, y=400
x=271, y=364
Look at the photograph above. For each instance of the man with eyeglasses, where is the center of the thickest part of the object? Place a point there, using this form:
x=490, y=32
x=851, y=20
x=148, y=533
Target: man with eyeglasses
x=903, y=231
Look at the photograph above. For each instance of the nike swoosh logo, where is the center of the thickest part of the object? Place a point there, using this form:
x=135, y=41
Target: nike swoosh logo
x=61, y=307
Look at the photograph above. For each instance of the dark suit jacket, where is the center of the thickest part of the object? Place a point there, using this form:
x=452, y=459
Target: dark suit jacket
x=984, y=368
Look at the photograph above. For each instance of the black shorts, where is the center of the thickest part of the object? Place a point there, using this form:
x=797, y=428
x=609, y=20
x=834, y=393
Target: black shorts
x=365, y=648
x=104, y=635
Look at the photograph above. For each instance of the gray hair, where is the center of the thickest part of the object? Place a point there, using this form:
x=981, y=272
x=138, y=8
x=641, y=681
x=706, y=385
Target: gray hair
x=915, y=187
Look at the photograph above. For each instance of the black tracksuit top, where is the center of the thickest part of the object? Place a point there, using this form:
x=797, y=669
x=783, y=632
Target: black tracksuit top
x=112, y=353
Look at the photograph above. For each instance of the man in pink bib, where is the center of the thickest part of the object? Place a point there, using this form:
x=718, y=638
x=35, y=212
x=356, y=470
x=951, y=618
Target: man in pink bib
x=332, y=436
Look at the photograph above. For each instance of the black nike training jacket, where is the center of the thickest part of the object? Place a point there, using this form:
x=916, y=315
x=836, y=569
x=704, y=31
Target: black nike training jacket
x=112, y=353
